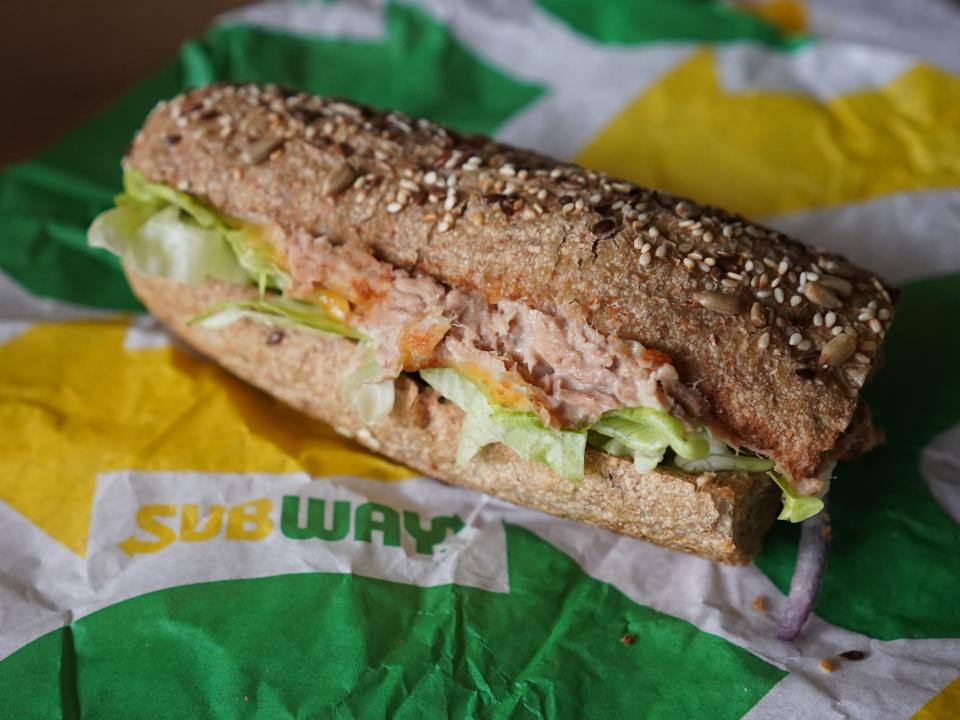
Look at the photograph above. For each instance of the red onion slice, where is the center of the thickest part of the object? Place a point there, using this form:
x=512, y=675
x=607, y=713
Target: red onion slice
x=805, y=583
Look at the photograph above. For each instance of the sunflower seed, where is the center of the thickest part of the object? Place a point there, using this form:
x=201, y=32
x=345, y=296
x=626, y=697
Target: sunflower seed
x=836, y=267
x=838, y=351
x=839, y=285
x=338, y=180
x=718, y=302
x=820, y=295
x=259, y=150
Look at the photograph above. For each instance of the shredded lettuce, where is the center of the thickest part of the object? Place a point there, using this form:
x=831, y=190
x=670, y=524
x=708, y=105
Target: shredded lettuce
x=164, y=232
x=722, y=457
x=486, y=423
x=644, y=434
x=796, y=507
x=640, y=434
x=274, y=310
x=373, y=401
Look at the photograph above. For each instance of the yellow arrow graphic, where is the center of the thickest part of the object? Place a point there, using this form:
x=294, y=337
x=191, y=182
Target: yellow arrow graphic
x=74, y=403
x=765, y=153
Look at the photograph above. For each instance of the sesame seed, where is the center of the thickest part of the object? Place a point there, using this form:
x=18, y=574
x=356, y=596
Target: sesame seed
x=451, y=200
x=567, y=209
x=812, y=276
x=430, y=178
x=780, y=322
x=883, y=314
x=778, y=295
x=394, y=207
x=402, y=197
x=795, y=339
x=579, y=204
x=763, y=342
x=409, y=185
x=763, y=294
x=875, y=326
x=646, y=259
x=443, y=226
x=708, y=237
x=837, y=331
x=688, y=264
x=704, y=267
x=748, y=266
x=661, y=251
x=732, y=275
x=685, y=247
x=685, y=223
x=861, y=358
x=711, y=261
x=595, y=198
x=645, y=247
x=865, y=316
x=818, y=320
x=804, y=345
x=830, y=319
x=728, y=283
x=783, y=267
x=695, y=256
x=776, y=282
x=872, y=305
x=727, y=231
x=508, y=170
x=795, y=300
x=849, y=330
x=868, y=346
x=618, y=204
x=653, y=232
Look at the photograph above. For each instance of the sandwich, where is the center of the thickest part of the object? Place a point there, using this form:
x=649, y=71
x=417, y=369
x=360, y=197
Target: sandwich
x=502, y=321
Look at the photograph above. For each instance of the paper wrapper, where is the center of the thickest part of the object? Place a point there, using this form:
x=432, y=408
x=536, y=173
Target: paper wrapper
x=174, y=543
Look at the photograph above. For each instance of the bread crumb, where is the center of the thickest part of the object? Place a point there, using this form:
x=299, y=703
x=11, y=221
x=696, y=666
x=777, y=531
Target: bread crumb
x=760, y=604
x=827, y=665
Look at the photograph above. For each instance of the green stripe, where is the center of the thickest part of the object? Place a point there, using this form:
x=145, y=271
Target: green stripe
x=47, y=203
x=894, y=569
x=326, y=645
x=642, y=21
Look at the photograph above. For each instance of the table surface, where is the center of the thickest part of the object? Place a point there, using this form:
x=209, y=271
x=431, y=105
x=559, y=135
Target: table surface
x=63, y=61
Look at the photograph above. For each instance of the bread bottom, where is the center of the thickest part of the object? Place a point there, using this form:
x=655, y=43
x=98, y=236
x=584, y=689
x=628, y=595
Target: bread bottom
x=721, y=516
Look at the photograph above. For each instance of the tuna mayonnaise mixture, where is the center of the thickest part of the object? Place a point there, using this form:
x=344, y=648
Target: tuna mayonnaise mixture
x=553, y=363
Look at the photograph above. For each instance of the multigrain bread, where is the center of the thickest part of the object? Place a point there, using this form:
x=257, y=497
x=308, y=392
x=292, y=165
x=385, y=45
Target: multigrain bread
x=778, y=337
x=721, y=516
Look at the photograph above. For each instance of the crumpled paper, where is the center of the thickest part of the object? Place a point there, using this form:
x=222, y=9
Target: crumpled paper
x=174, y=543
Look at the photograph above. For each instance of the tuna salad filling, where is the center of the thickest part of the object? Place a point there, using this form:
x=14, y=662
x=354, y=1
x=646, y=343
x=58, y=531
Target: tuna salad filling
x=540, y=380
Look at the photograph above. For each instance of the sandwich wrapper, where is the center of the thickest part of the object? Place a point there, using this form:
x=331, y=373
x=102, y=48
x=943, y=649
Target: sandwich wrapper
x=175, y=543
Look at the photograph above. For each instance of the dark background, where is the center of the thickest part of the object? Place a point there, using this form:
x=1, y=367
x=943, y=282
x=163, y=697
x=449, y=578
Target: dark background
x=64, y=60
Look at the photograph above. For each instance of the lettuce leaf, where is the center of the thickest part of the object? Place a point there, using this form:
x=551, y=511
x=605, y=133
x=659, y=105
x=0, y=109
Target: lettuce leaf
x=274, y=310
x=164, y=232
x=796, y=507
x=523, y=432
x=644, y=434
x=373, y=401
x=722, y=457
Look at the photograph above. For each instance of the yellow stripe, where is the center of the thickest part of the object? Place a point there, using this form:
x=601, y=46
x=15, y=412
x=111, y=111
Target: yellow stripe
x=74, y=403
x=764, y=153
x=945, y=705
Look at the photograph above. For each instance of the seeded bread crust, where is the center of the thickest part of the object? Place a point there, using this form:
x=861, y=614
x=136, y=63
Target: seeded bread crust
x=734, y=304
x=720, y=516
